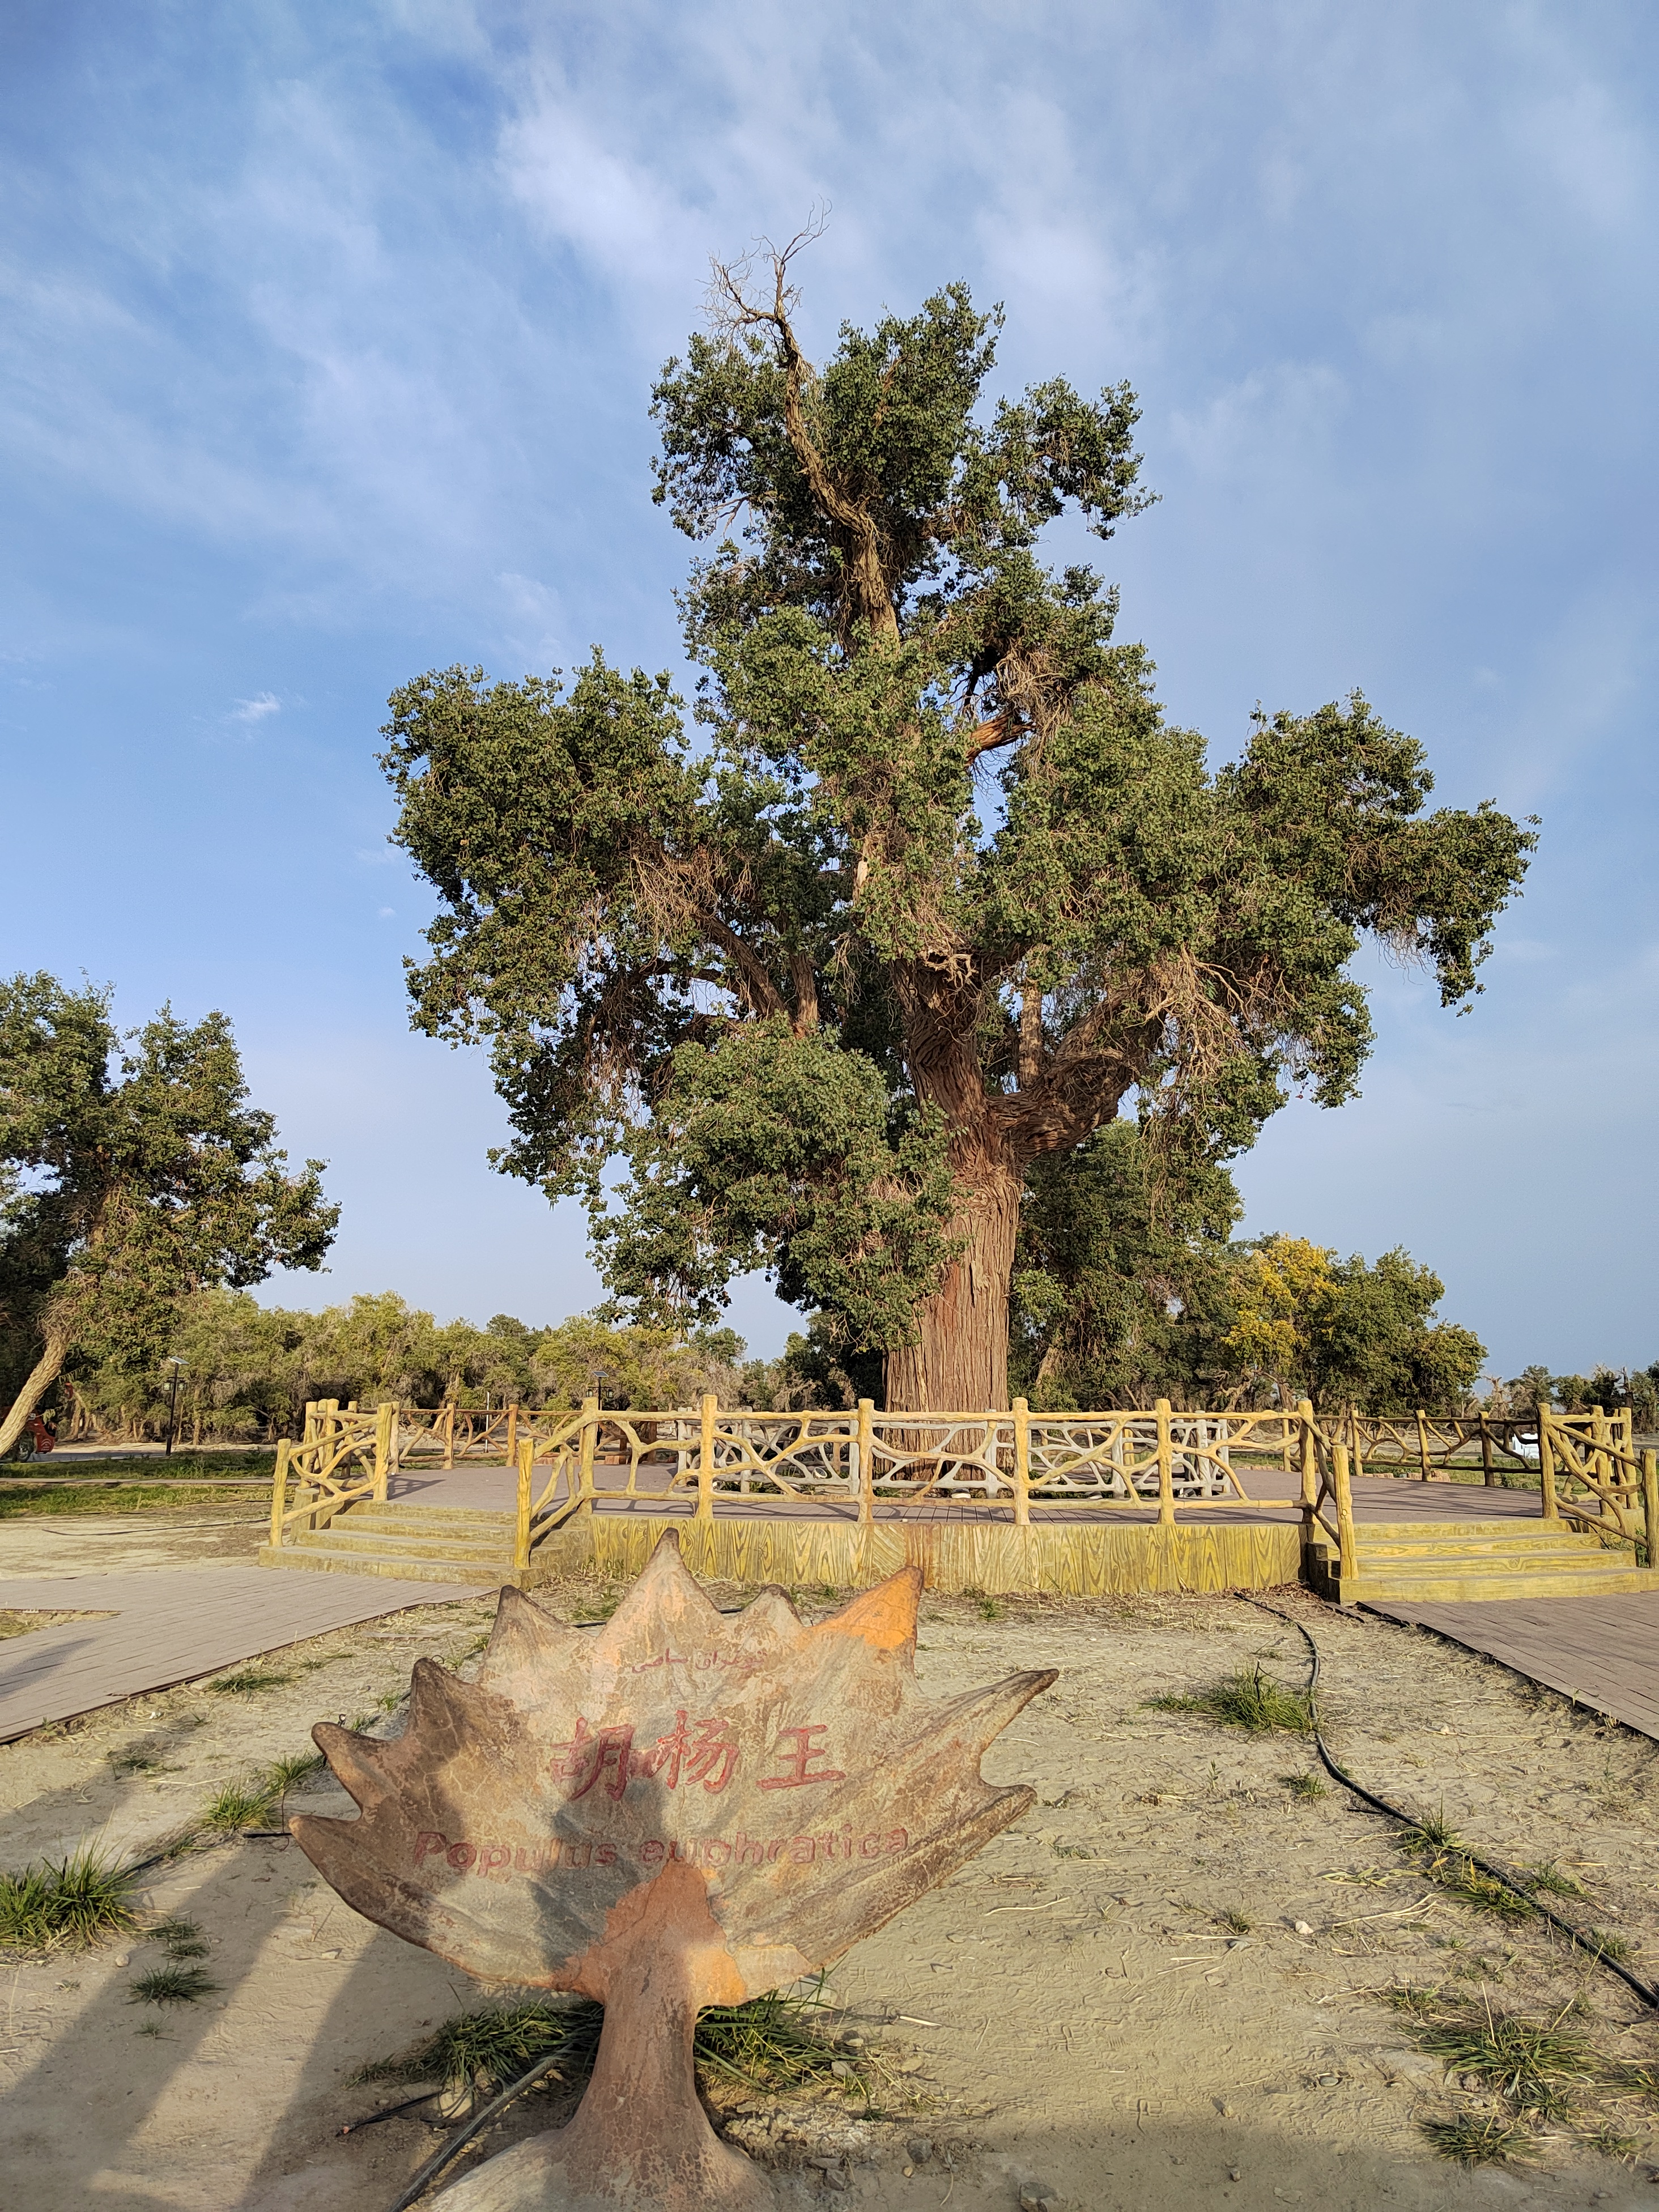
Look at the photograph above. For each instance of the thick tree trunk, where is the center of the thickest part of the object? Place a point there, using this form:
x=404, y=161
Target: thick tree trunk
x=44, y=1374
x=960, y=1363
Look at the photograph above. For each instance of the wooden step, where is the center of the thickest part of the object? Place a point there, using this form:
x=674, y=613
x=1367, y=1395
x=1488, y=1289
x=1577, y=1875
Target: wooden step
x=430, y=1569
x=1525, y=1536
x=411, y=1519
x=1458, y=1589
x=1455, y=1562
x=412, y=1553
x=1530, y=1558
x=424, y=1543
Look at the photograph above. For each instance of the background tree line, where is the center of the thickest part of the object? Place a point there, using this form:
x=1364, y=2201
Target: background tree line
x=141, y=1193
x=247, y=1370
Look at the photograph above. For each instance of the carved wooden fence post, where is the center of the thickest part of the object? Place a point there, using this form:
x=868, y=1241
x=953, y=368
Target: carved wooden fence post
x=1546, y=1466
x=1349, y=1563
x=513, y=1435
x=705, y=1460
x=866, y=1448
x=1304, y=1413
x=589, y=1447
x=1358, y=1467
x=1022, y=1464
x=1166, y=1513
x=1422, y=1443
x=1650, y=1506
x=386, y=1418
x=521, y=1528
x=279, y=1492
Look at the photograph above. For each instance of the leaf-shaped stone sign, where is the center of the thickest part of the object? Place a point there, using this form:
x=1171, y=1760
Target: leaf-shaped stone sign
x=683, y=1809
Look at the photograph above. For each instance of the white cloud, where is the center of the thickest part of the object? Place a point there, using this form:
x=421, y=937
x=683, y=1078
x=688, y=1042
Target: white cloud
x=253, y=711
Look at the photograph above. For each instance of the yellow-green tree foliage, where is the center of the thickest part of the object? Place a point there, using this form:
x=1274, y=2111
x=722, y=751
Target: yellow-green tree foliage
x=1340, y=1332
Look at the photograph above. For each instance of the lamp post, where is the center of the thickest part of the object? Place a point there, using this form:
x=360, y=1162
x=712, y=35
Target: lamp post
x=172, y=1404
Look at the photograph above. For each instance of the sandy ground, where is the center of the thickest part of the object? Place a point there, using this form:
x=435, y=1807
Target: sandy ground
x=1073, y=2007
x=127, y=1543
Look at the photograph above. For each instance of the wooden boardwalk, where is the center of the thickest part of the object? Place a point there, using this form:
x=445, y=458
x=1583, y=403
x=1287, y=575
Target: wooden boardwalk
x=171, y=1625
x=1376, y=1498
x=1602, y=1652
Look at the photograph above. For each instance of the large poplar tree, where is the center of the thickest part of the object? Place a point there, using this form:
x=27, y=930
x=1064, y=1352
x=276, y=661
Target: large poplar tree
x=940, y=891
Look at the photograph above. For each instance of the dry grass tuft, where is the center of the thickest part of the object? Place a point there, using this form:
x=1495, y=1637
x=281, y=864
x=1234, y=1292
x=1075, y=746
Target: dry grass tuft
x=775, y=2042
x=80, y=1900
x=171, y=1985
x=1248, y=1699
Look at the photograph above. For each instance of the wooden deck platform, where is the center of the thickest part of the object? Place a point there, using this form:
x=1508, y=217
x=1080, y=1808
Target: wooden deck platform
x=1602, y=1652
x=171, y=1625
x=1376, y=1498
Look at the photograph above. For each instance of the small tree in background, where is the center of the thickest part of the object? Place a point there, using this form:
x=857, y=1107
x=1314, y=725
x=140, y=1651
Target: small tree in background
x=1342, y=1333
x=945, y=893
x=132, y=1171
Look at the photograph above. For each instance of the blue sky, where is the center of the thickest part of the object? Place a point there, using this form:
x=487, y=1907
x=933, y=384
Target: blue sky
x=327, y=337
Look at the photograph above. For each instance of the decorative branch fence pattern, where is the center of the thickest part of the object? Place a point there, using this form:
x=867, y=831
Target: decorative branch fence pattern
x=1588, y=1469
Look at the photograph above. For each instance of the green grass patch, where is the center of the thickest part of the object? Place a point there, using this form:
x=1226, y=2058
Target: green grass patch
x=1433, y=1832
x=1248, y=1699
x=1611, y=2141
x=1548, y=1880
x=1476, y=2139
x=491, y=2049
x=297, y=1766
x=183, y=1938
x=248, y=1681
x=80, y=1900
x=1443, y=1859
x=774, y=2042
x=239, y=1805
x=1304, y=1786
x=1601, y=1945
x=134, y=1762
x=1534, y=2063
x=111, y=1497
x=1460, y=1878
x=256, y=1463
x=171, y=1985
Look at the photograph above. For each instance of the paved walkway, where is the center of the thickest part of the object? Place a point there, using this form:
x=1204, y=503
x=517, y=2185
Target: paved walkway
x=1603, y=1652
x=171, y=1626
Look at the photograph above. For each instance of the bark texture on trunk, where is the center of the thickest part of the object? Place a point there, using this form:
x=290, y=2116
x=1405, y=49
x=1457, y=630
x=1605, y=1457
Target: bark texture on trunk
x=42, y=1375
x=959, y=1362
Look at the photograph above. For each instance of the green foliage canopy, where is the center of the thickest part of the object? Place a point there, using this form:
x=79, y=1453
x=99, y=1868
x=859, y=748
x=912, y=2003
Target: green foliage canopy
x=943, y=887
x=132, y=1171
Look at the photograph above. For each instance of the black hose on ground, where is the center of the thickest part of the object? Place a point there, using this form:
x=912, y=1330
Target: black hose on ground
x=1575, y=1935
x=389, y=2112
x=459, y=2142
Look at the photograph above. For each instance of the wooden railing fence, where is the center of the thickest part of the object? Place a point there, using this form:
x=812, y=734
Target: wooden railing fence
x=1389, y=1443
x=342, y=1457
x=1012, y=1460
x=1609, y=1487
